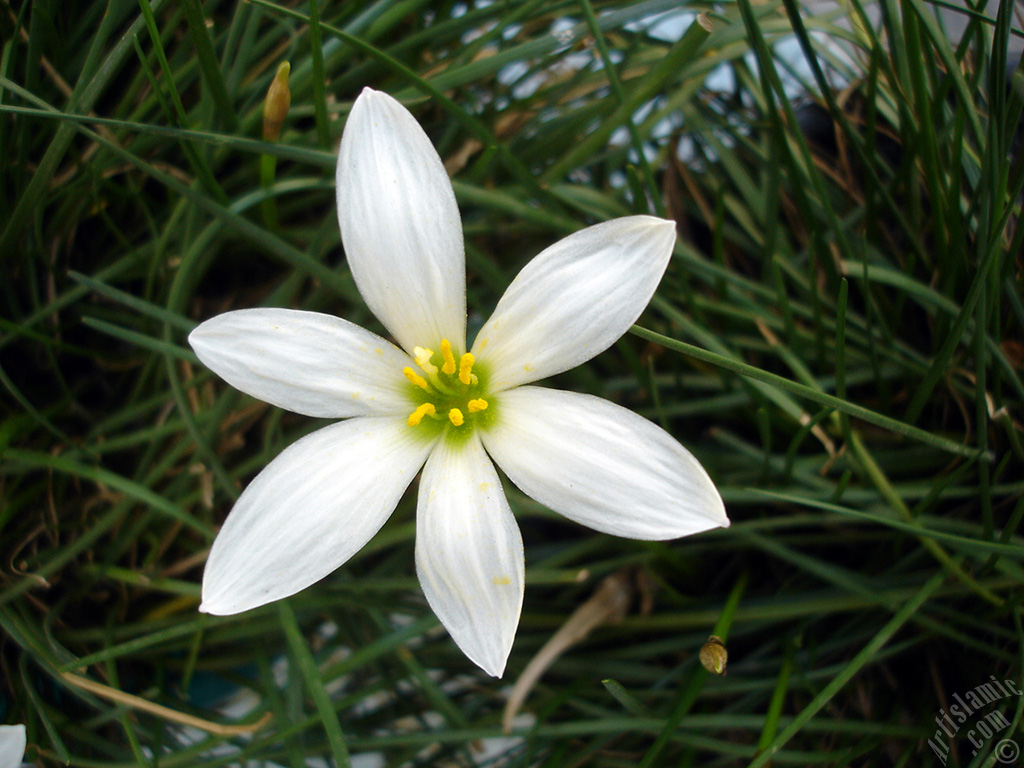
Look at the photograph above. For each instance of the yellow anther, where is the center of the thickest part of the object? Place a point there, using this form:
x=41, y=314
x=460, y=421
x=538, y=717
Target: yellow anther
x=427, y=409
x=422, y=357
x=449, y=358
x=466, y=369
x=477, y=405
x=415, y=378
x=456, y=417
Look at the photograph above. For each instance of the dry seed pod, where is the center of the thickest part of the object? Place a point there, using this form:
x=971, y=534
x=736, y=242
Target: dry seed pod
x=714, y=656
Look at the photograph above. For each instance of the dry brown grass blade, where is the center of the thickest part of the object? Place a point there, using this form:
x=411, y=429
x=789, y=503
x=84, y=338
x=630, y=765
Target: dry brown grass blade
x=608, y=604
x=172, y=715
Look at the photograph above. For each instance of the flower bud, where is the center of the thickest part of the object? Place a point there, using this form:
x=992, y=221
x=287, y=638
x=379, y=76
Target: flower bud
x=713, y=655
x=275, y=107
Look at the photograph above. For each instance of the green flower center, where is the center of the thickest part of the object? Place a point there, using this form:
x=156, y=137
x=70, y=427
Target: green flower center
x=449, y=393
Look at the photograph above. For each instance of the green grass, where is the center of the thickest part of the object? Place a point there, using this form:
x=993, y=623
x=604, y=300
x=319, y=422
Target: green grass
x=839, y=339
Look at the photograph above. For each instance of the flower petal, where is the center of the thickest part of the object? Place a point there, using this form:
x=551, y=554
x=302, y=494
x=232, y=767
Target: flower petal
x=574, y=300
x=400, y=224
x=306, y=362
x=12, y=745
x=469, y=552
x=310, y=510
x=601, y=465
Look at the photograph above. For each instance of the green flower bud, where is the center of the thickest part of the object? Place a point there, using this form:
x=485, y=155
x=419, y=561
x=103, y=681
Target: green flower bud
x=275, y=107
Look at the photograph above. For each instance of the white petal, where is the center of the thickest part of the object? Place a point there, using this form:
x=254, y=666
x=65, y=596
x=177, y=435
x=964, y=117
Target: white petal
x=12, y=745
x=400, y=224
x=306, y=362
x=310, y=510
x=601, y=465
x=574, y=300
x=469, y=553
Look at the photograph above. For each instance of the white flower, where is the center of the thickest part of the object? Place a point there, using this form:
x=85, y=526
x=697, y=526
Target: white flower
x=429, y=403
x=12, y=745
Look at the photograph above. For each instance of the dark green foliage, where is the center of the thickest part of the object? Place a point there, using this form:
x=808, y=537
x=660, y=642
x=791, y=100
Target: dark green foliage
x=839, y=339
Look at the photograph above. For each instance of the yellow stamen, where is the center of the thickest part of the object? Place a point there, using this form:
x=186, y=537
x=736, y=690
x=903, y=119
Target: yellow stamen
x=427, y=409
x=422, y=357
x=477, y=405
x=455, y=415
x=415, y=378
x=449, y=359
x=466, y=369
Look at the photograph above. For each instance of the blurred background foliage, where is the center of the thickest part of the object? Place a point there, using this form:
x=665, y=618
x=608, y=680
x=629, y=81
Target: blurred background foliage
x=838, y=339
